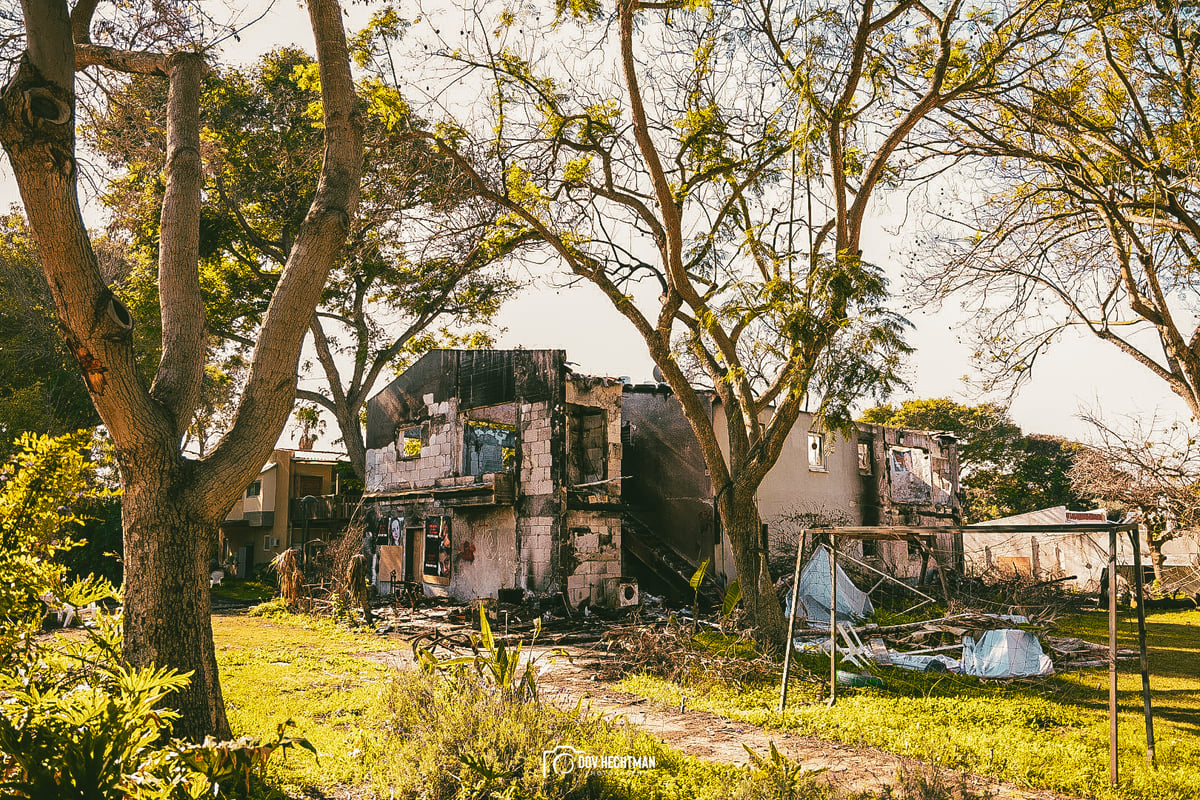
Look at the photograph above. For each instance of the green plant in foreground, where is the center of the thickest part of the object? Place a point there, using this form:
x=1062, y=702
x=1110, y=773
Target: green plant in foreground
x=493, y=660
x=237, y=761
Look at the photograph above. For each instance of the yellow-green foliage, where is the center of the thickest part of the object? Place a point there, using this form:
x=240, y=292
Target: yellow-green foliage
x=1020, y=733
x=439, y=735
x=39, y=487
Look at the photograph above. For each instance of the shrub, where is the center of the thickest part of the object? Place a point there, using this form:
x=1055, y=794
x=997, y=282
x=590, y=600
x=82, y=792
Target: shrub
x=39, y=487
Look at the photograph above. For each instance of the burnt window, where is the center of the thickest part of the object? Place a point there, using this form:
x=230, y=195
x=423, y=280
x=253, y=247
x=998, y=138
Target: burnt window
x=436, y=564
x=587, y=444
x=864, y=458
x=409, y=443
x=490, y=447
x=908, y=468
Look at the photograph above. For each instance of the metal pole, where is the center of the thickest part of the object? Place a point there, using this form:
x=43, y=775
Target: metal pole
x=1138, y=581
x=791, y=629
x=1112, y=656
x=832, y=618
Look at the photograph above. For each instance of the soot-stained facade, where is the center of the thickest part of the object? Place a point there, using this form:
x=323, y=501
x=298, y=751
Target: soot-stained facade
x=497, y=469
x=505, y=469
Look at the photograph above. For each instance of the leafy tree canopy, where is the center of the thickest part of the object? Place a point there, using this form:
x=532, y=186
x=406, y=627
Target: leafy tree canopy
x=987, y=436
x=421, y=251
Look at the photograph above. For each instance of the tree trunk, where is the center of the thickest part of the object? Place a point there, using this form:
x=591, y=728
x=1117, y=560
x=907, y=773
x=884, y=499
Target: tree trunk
x=169, y=539
x=743, y=526
x=1155, y=553
x=172, y=506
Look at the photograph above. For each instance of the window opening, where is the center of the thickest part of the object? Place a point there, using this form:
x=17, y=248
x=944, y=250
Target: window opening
x=816, y=452
x=490, y=447
x=909, y=468
x=411, y=441
x=864, y=458
x=587, y=444
x=436, y=568
x=254, y=489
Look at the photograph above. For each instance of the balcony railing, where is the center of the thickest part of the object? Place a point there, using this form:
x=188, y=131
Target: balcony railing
x=328, y=507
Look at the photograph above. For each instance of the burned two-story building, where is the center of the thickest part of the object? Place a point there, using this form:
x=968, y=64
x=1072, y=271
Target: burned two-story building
x=497, y=469
x=491, y=470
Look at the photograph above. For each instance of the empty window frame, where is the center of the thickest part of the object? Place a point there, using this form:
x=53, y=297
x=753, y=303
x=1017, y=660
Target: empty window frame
x=489, y=447
x=816, y=452
x=864, y=458
x=409, y=443
x=436, y=563
x=254, y=489
x=587, y=445
x=909, y=471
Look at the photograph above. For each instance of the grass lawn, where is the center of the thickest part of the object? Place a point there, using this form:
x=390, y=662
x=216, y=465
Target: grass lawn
x=309, y=671
x=1052, y=734
x=385, y=733
x=243, y=591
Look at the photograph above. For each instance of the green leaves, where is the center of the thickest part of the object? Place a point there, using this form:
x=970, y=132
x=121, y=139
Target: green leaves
x=733, y=596
x=497, y=664
x=42, y=488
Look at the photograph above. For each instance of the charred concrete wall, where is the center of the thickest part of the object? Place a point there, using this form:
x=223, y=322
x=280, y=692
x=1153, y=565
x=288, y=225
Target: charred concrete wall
x=667, y=489
x=491, y=445
x=912, y=480
x=591, y=552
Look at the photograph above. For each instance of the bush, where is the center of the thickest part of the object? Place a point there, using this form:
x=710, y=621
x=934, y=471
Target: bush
x=39, y=487
x=74, y=721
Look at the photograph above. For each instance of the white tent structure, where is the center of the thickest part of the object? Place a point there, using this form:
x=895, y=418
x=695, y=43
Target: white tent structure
x=1007, y=653
x=852, y=603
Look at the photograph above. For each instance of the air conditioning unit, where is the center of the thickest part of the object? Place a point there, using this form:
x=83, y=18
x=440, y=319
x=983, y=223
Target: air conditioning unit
x=271, y=543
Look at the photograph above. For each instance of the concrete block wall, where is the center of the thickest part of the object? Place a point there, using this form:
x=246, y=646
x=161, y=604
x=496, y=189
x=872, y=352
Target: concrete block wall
x=589, y=392
x=595, y=537
x=492, y=535
x=539, y=520
x=441, y=452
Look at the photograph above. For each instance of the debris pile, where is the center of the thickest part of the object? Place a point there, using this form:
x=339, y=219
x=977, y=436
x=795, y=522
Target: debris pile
x=971, y=642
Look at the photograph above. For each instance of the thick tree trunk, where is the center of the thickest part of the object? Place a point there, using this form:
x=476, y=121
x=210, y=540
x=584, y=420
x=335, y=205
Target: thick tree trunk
x=172, y=505
x=742, y=524
x=169, y=538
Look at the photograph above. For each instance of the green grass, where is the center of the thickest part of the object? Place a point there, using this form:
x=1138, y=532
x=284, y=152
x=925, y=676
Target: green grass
x=1053, y=735
x=243, y=591
x=386, y=733
x=314, y=673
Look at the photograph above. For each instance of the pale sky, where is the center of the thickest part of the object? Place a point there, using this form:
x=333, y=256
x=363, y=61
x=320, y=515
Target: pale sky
x=1076, y=374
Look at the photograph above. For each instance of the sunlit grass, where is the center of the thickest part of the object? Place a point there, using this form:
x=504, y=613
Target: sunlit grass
x=314, y=673
x=1049, y=735
x=385, y=733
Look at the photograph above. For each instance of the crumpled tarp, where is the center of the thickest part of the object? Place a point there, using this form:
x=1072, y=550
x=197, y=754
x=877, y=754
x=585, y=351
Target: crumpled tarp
x=1005, y=654
x=852, y=603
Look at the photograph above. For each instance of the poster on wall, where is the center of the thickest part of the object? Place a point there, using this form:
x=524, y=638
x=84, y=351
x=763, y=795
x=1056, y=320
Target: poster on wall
x=437, y=548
